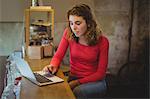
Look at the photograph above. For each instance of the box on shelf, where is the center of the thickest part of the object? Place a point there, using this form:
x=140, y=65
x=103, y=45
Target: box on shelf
x=48, y=50
x=35, y=52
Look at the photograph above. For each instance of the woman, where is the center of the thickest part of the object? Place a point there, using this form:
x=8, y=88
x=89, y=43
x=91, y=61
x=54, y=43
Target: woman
x=88, y=53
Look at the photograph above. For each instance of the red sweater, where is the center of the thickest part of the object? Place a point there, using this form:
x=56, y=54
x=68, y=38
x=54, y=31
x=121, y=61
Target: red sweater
x=88, y=63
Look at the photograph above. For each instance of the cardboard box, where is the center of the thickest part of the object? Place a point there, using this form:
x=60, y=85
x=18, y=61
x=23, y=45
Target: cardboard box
x=35, y=52
x=48, y=50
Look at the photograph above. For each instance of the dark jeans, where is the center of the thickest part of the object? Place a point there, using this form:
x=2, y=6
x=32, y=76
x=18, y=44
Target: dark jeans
x=89, y=90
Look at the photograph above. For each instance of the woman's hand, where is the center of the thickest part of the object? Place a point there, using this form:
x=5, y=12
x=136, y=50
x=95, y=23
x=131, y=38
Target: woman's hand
x=74, y=83
x=50, y=68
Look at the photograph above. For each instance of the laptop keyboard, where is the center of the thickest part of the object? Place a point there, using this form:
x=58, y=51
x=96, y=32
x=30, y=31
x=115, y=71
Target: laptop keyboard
x=41, y=78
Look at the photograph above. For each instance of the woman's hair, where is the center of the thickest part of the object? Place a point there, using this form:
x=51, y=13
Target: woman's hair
x=84, y=11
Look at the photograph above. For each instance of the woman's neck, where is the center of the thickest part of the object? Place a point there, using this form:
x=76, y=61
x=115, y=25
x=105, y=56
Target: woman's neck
x=83, y=41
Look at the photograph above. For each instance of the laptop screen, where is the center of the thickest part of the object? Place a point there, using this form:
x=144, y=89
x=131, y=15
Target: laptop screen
x=24, y=68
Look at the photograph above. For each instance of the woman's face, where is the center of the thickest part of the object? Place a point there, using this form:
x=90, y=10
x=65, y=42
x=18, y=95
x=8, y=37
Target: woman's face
x=78, y=25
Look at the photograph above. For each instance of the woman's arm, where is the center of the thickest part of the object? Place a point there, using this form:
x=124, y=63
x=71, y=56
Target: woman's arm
x=61, y=50
x=58, y=56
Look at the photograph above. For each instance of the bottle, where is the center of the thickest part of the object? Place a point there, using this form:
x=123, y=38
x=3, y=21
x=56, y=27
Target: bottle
x=34, y=3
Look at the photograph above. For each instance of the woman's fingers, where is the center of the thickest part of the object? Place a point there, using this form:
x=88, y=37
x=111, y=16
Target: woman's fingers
x=54, y=70
x=45, y=69
x=51, y=69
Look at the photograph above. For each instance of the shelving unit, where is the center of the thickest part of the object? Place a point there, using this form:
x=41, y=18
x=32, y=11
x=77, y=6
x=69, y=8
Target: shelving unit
x=39, y=28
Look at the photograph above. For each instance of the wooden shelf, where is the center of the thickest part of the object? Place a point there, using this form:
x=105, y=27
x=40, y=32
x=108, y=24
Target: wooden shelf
x=42, y=23
x=48, y=22
x=41, y=8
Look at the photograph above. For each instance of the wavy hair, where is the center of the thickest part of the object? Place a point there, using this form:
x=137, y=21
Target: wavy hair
x=93, y=32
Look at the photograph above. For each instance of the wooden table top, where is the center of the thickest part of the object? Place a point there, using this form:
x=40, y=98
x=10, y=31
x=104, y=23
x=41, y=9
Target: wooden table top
x=30, y=90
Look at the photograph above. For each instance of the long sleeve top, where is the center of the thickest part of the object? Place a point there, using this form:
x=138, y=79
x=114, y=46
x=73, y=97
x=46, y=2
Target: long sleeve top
x=88, y=63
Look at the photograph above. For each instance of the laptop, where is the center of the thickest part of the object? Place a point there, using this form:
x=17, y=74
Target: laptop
x=39, y=77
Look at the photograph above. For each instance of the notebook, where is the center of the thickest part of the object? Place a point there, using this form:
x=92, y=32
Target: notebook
x=39, y=77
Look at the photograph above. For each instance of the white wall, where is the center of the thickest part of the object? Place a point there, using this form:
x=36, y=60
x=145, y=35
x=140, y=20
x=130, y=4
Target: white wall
x=12, y=10
x=62, y=6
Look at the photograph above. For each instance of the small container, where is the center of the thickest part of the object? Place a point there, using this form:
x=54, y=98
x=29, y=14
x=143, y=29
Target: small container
x=34, y=3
